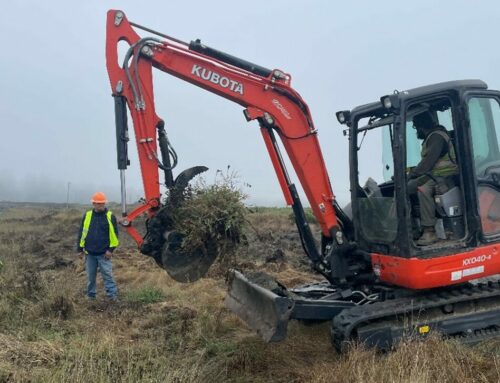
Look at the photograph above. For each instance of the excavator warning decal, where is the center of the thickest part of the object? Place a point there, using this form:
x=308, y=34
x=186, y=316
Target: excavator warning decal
x=457, y=275
x=216, y=78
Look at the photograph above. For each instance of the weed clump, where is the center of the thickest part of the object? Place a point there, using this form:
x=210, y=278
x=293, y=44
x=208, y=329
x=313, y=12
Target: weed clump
x=62, y=307
x=212, y=212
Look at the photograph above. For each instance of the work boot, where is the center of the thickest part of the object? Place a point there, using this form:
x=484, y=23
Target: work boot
x=428, y=237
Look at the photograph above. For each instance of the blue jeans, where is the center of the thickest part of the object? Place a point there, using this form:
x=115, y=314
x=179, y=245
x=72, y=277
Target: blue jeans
x=99, y=260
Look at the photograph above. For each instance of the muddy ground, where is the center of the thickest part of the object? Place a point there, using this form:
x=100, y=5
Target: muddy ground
x=164, y=331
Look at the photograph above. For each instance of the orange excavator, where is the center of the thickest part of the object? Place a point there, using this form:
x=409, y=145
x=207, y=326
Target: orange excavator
x=380, y=284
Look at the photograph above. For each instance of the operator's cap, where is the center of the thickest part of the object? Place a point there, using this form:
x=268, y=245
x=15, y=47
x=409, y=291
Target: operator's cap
x=424, y=120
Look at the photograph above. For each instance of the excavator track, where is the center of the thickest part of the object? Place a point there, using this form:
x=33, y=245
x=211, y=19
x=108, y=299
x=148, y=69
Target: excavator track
x=469, y=313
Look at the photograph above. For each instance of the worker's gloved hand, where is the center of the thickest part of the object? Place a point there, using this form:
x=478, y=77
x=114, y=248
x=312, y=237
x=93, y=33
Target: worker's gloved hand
x=81, y=254
x=108, y=254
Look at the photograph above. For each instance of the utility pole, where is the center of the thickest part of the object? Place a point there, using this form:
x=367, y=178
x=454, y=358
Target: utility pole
x=67, y=196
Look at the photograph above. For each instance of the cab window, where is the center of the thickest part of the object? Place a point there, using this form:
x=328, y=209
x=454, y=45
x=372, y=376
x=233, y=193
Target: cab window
x=375, y=186
x=484, y=117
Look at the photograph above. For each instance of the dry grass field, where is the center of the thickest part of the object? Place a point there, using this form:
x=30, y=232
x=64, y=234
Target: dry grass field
x=163, y=331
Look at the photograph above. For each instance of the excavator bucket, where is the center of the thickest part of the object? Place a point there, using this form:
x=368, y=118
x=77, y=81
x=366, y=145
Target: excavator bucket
x=164, y=243
x=187, y=266
x=261, y=308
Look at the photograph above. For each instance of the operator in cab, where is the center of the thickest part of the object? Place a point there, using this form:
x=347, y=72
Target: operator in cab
x=434, y=174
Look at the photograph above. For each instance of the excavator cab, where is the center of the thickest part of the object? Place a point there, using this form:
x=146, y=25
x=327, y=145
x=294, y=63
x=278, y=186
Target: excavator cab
x=387, y=286
x=385, y=218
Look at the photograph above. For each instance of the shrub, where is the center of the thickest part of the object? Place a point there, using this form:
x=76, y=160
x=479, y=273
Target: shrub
x=211, y=212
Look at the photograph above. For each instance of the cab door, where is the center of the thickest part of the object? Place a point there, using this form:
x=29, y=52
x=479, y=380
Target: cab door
x=483, y=112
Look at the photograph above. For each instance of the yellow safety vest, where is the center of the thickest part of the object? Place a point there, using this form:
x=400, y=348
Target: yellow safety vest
x=113, y=239
x=446, y=164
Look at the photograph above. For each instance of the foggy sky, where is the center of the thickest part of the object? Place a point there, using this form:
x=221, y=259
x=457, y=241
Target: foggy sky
x=56, y=109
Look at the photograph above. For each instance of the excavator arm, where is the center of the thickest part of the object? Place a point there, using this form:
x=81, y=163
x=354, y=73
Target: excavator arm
x=266, y=96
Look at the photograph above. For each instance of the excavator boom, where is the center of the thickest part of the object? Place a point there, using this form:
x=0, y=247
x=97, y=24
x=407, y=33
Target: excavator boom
x=266, y=96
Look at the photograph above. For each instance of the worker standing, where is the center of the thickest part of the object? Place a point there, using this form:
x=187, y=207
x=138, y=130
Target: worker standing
x=97, y=239
x=436, y=171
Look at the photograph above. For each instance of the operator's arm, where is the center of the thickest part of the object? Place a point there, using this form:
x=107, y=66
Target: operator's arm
x=436, y=146
x=115, y=226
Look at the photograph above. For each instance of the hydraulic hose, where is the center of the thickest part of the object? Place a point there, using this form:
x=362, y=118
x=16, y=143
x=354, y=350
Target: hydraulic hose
x=136, y=88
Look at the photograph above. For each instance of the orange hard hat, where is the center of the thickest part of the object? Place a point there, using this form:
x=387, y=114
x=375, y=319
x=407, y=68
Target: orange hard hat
x=99, y=197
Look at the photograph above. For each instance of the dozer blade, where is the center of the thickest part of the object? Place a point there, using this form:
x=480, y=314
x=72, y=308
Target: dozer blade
x=260, y=308
x=184, y=266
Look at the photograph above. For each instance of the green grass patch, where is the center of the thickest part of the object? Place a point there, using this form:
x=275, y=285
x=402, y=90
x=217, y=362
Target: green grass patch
x=145, y=295
x=308, y=213
x=282, y=212
x=219, y=347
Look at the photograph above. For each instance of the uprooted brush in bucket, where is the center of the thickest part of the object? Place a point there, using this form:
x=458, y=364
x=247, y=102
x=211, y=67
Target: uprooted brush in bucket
x=202, y=224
